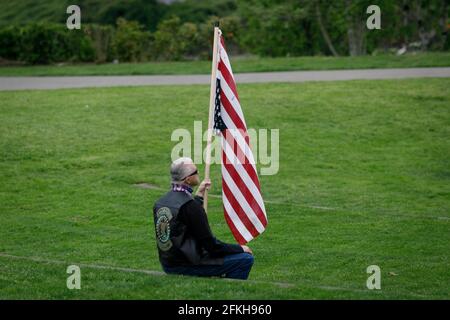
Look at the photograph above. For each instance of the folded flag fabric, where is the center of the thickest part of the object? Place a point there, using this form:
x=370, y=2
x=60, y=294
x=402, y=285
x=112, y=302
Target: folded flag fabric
x=241, y=193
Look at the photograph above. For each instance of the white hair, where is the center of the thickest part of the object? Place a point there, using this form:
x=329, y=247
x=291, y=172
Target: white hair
x=179, y=170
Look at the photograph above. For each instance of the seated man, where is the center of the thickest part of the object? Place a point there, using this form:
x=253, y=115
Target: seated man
x=186, y=244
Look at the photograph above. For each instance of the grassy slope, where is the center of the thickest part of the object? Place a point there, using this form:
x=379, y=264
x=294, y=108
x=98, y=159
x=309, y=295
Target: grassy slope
x=431, y=59
x=19, y=12
x=374, y=152
x=24, y=11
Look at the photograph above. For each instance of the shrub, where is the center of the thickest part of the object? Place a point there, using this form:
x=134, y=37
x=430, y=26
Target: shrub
x=10, y=39
x=169, y=43
x=43, y=43
x=230, y=27
x=174, y=40
x=130, y=42
x=101, y=37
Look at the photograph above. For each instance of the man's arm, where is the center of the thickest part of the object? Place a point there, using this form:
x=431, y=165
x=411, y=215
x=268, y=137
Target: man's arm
x=196, y=220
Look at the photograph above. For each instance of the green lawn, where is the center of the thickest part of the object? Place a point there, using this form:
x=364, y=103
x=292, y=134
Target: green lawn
x=243, y=64
x=364, y=179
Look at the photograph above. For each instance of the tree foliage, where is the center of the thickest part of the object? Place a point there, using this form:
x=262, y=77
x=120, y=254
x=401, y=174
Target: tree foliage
x=138, y=30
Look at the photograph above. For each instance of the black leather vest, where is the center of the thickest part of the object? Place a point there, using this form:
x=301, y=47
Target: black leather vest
x=176, y=247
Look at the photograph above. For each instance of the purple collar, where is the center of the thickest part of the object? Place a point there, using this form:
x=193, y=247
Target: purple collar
x=182, y=188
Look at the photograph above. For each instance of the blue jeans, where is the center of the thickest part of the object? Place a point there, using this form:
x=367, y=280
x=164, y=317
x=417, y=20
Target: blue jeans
x=236, y=266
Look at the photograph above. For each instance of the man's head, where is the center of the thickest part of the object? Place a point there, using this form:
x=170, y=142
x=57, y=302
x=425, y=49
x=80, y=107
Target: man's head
x=183, y=170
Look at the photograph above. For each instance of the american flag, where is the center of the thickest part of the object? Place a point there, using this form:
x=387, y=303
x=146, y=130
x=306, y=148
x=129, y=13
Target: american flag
x=241, y=193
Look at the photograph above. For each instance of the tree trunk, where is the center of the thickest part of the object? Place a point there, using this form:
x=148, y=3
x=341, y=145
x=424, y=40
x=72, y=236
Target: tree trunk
x=443, y=26
x=355, y=32
x=324, y=32
x=405, y=20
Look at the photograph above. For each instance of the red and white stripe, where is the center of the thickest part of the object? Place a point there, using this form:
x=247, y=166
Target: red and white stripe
x=242, y=201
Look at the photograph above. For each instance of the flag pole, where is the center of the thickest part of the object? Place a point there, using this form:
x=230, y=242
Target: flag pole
x=211, y=110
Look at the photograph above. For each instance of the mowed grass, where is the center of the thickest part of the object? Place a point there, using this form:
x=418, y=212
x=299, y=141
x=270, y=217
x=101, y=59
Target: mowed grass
x=363, y=180
x=240, y=64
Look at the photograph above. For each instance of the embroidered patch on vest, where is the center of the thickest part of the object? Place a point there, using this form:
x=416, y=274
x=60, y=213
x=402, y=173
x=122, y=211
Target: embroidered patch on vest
x=163, y=217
